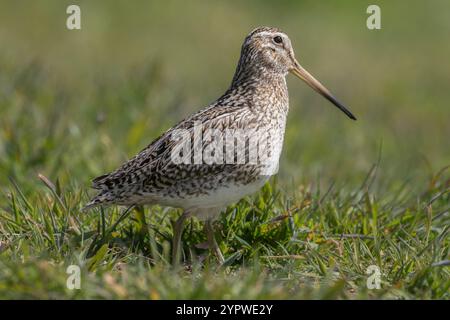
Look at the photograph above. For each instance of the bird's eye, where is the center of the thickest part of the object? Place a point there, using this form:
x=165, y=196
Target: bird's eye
x=278, y=39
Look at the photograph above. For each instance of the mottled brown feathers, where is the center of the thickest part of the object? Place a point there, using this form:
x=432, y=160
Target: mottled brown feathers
x=257, y=98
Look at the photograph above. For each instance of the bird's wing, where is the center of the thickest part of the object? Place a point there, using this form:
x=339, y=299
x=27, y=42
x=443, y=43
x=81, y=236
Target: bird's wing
x=155, y=159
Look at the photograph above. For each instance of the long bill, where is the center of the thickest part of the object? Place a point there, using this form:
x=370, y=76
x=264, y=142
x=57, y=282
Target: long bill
x=300, y=72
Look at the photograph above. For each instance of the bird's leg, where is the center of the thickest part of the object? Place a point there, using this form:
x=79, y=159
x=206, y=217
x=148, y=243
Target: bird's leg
x=177, y=232
x=140, y=217
x=142, y=225
x=212, y=243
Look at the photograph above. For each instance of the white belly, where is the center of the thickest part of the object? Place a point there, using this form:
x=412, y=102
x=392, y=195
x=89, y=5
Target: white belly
x=224, y=195
x=209, y=206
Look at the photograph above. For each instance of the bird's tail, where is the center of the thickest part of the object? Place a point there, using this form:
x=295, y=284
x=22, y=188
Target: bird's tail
x=104, y=198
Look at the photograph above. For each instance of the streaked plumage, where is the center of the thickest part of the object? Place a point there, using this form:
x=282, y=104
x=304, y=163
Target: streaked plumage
x=256, y=99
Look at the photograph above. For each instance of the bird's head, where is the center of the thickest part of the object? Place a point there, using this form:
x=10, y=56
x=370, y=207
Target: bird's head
x=269, y=51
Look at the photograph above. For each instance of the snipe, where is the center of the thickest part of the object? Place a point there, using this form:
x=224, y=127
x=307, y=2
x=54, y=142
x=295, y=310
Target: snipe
x=227, y=150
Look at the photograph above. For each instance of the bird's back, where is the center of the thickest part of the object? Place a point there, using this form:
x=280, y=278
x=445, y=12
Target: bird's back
x=154, y=176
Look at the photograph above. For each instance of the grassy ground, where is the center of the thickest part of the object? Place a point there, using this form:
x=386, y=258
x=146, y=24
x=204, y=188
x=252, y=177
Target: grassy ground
x=75, y=104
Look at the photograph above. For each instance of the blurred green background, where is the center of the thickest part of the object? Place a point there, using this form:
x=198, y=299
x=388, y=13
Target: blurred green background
x=74, y=104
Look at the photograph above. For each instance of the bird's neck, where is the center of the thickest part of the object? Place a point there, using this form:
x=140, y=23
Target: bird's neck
x=247, y=73
x=262, y=88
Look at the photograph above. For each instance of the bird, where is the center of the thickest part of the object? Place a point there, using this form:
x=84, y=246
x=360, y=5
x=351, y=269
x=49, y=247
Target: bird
x=207, y=161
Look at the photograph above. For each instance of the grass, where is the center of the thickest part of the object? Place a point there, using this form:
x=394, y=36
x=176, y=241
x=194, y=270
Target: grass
x=316, y=245
x=348, y=196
